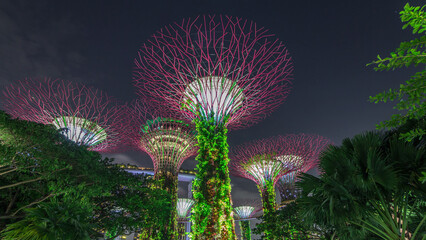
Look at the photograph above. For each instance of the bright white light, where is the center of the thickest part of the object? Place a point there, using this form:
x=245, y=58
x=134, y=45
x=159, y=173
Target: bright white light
x=80, y=130
x=289, y=177
x=183, y=205
x=217, y=95
x=263, y=170
x=244, y=211
x=291, y=161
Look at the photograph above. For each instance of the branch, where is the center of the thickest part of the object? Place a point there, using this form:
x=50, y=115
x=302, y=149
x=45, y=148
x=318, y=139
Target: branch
x=15, y=169
x=20, y=183
x=11, y=217
x=11, y=203
x=29, y=205
x=394, y=58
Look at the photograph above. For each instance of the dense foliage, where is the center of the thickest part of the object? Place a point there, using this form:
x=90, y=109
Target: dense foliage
x=245, y=230
x=212, y=212
x=368, y=188
x=283, y=223
x=46, y=179
x=411, y=95
x=168, y=181
x=268, y=196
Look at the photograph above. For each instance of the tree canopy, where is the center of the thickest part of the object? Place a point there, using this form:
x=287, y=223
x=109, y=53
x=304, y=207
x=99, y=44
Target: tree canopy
x=410, y=96
x=43, y=175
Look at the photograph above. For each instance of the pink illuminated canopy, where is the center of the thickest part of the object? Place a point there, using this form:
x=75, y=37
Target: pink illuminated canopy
x=215, y=66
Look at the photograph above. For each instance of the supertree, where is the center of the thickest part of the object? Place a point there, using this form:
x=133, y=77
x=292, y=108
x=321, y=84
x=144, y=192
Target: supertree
x=287, y=188
x=265, y=161
x=183, y=206
x=286, y=184
x=243, y=213
x=169, y=141
x=221, y=72
x=85, y=115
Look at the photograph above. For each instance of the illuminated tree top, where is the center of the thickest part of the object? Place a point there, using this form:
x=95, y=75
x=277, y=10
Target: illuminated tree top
x=266, y=160
x=247, y=208
x=183, y=207
x=168, y=140
x=222, y=66
x=84, y=115
x=244, y=212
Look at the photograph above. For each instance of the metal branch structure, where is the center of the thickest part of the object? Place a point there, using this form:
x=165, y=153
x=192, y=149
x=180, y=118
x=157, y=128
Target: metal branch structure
x=222, y=67
x=244, y=212
x=162, y=134
x=183, y=206
x=85, y=115
x=286, y=183
x=265, y=161
x=168, y=140
x=222, y=72
x=287, y=188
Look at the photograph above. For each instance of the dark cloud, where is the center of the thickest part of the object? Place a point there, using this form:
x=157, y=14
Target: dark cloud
x=34, y=44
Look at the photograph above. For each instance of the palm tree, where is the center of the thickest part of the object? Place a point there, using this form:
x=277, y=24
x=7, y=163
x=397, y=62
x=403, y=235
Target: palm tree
x=52, y=220
x=358, y=179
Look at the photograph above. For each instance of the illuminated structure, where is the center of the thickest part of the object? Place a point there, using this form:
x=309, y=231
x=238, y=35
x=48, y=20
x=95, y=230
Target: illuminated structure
x=168, y=141
x=243, y=213
x=286, y=187
x=183, y=207
x=265, y=161
x=84, y=115
x=286, y=183
x=222, y=72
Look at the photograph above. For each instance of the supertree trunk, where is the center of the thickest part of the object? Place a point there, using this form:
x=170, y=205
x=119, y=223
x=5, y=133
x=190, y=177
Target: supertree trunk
x=245, y=230
x=167, y=180
x=268, y=197
x=268, y=201
x=212, y=216
x=181, y=231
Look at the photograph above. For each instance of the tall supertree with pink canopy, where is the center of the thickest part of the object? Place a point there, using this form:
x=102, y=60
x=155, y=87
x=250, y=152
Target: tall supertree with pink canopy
x=221, y=72
x=86, y=116
x=169, y=141
x=265, y=161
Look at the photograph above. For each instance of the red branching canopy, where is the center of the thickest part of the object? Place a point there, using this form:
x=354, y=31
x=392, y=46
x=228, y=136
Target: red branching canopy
x=168, y=139
x=269, y=159
x=286, y=183
x=222, y=67
x=84, y=115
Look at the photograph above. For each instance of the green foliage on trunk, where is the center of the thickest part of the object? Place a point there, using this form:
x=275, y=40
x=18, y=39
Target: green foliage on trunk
x=212, y=216
x=168, y=181
x=284, y=223
x=245, y=230
x=268, y=197
x=267, y=193
x=410, y=96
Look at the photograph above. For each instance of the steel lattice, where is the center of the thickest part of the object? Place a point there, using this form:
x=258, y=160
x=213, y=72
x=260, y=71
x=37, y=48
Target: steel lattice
x=84, y=115
x=221, y=67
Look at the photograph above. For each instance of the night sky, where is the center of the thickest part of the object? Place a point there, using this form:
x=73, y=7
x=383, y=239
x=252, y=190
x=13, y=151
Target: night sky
x=331, y=42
